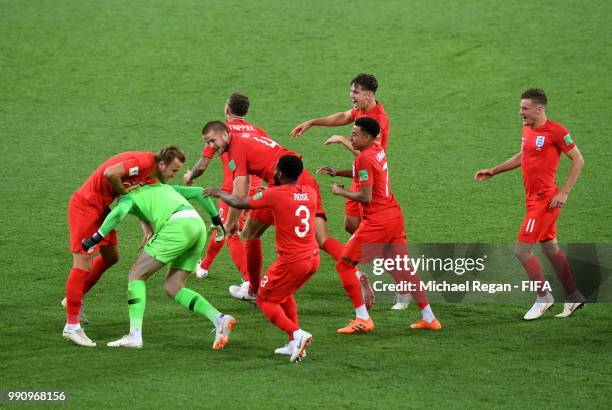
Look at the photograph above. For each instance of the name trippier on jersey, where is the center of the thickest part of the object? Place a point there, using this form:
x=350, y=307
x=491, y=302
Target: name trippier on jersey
x=241, y=127
x=405, y=263
x=469, y=286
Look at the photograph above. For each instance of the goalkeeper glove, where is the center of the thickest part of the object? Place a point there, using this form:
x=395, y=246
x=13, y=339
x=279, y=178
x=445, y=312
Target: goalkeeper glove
x=91, y=242
x=218, y=225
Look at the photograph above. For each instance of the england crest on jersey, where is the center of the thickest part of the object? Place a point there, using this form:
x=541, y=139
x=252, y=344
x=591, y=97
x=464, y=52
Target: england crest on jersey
x=540, y=141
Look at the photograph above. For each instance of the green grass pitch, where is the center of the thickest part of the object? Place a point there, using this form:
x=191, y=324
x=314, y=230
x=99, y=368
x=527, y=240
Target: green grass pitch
x=82, y=80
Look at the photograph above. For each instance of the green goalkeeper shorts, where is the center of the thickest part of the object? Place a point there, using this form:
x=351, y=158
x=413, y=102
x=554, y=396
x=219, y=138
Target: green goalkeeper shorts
x=180, y=242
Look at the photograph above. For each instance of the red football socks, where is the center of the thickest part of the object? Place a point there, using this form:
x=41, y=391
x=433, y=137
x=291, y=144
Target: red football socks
x=350, y=282
x=291, y=310
x=99, y=266
x=333, y=247
x=417, y=294
x=534, y=271
x=254, y=258
x=237, y=251
x=74, y=294
x=275, y=314
x=562, y=269
x=211, y=252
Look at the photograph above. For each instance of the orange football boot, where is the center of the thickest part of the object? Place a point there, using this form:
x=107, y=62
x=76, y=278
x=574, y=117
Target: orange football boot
x=358, y=326
x=423, y=324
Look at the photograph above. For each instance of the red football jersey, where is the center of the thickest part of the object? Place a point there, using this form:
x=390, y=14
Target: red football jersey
x=294, y=208
x=541, y=149
x=371, y=168
x=379, y=114
x=137, y=166
x=255, y=154
x=236, y=127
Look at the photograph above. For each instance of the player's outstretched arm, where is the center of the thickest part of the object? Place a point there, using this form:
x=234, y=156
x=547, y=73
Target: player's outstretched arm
x=232, y=200
x=363, y=196
x=337, y=119
x=208, y=205
x=241, y=190
x=196, y=193
x=345, y=141
x=332, y=172
x=512, y=163
x=574, y=172
x=113, y=219
x=198, y=169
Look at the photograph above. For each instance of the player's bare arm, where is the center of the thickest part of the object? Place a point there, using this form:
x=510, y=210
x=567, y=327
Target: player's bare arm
x=363, y=196
x=332, y=172
x=241, y=190
x=337, y=119
x=574, y=172
x=231, y=200
x=114, y=175
x=198, y=169
x=512, y=163
x=341, y=139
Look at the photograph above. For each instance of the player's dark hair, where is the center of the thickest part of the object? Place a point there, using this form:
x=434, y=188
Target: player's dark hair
x=366, y=81
x=214, y=126
x=291, y=167
x=536, y=95
x=169, y=153
x=238, y=104
x=369, y=126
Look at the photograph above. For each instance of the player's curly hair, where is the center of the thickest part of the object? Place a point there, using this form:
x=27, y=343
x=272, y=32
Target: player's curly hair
x=291, y=167
x=366, y=81
x=368, y=125
x=238, y=104
x=536, y=95
x=169, y=153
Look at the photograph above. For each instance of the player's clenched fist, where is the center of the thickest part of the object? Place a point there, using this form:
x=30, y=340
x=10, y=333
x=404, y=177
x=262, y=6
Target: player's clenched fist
x=483, y=174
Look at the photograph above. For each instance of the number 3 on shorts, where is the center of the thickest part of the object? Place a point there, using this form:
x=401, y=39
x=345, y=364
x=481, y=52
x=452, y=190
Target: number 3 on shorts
x=298, y=212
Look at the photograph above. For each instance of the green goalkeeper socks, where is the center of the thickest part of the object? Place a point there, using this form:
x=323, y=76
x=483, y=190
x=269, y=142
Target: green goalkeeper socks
x=194, y=301
x=137, y=300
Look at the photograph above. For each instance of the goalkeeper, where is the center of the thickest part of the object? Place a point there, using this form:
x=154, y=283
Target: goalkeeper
x=177, y=237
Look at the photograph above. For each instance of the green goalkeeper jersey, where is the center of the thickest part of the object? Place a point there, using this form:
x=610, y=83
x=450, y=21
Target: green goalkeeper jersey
x=155, y=203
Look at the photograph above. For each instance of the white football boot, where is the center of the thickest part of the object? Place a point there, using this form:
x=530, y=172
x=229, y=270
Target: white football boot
x=287, y=350
x=541, y=305
x=242, y=292
x=78, y=337
x=130, y=341
x=302, y=341
x=222, y=331
x=572, y=303
x=401, y=301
